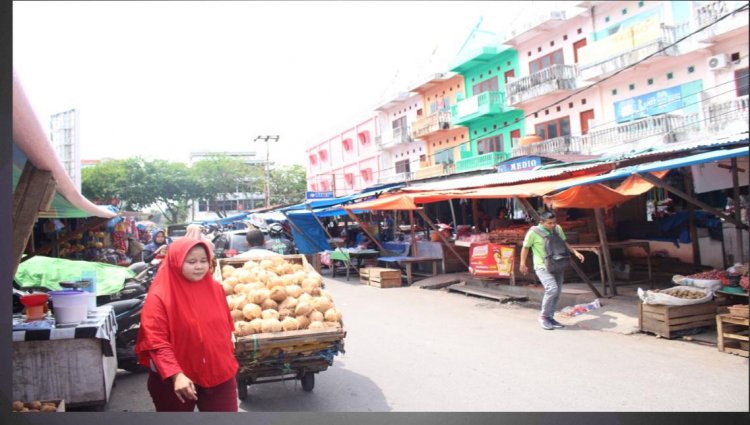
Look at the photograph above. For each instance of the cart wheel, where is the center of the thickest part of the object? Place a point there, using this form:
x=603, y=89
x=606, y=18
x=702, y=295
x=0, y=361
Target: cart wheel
x=241, y=388
x=308, y=381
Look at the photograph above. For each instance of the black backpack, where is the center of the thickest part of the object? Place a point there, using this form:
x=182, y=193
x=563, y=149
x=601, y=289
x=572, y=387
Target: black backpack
x=558, y=256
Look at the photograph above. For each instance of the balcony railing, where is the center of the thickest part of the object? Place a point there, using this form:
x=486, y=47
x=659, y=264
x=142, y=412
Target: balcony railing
x=430, y=171
x=557, y=145
x=478, y=106
x=709, y=13
x=730, y=116
x=667, y=127
x=548, y=80
x=487, y=160
x=401, y=135
x=622, y=59
x=431, y=123
x=391, y=177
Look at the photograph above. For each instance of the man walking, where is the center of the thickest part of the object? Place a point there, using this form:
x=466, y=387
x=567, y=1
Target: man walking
x=548, y=266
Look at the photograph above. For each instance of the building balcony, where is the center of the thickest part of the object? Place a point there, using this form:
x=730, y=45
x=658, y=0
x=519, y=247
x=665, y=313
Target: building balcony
x=431, y=124
x=543, y=82
x=638, y=134
x=607, y=56
x=730, y=26
x=727, y=117
x=479, y=162
x=557, y=145
x=398, y=136
x=432, y=171
x=393, y=177
x=483, y=105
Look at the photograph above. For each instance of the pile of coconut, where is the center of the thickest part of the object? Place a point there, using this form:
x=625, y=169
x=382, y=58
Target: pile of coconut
x=274, y=295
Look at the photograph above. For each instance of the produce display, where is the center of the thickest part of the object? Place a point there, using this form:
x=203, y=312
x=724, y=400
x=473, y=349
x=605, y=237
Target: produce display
x=34, y=406
x=275, y=295
x=709, y=275
x=684, y=293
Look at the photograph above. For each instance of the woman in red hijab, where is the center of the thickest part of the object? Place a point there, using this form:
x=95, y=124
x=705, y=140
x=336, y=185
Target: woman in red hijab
x=185, y=337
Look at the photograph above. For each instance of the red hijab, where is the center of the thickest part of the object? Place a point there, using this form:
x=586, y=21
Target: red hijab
x=190, y=317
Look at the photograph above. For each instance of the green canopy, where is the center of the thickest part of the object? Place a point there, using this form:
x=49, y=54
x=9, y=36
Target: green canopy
x=47, y=272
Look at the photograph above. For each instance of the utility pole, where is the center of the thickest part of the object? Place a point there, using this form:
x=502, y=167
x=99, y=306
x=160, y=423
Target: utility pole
x=268, y=170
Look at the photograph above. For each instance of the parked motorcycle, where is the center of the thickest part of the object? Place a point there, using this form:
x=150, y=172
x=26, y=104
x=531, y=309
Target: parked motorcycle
x=128, y=316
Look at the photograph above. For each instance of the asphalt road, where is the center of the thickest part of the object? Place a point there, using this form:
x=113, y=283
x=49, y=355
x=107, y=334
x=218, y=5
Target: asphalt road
x=409, y=349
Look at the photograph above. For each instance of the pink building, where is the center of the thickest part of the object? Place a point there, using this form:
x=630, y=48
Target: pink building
x=345, y=163
x=693, y=90
x=400, y=151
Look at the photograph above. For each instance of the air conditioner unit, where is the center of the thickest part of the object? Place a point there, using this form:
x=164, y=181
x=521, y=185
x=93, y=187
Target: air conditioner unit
x=717, y=62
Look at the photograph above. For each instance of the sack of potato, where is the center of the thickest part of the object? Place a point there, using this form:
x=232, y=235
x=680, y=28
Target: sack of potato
x=678, y=295
x=275, y=295
x=34, y=406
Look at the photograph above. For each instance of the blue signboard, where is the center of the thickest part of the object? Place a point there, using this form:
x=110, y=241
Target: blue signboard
x=646, y=105
x=320, y=195
x=518, y=164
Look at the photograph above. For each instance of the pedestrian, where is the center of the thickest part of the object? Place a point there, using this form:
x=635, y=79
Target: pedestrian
x=157, y=248
x=552, y=280
x=185, y=338
x=195, y=232
x=256, y=242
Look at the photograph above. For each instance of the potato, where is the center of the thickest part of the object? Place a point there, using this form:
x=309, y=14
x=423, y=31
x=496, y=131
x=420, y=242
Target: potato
x=49, y=408
x=17, y=405
x=36, y=405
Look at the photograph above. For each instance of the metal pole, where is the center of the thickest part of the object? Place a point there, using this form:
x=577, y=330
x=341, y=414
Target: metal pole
x=453, y=214
x=267, y=139
x=737, y=212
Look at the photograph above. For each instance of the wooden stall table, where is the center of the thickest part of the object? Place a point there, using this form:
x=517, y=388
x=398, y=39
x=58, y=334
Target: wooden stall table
x=352, y=259
x=77, y=364
x=407, y=263
x=596, y=248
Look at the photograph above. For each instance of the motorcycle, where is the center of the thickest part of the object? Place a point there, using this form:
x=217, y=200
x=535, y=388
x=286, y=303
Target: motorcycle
x=128, y=317
x=135, y=286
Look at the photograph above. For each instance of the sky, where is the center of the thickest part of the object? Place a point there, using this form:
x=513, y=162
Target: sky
x=163, y=79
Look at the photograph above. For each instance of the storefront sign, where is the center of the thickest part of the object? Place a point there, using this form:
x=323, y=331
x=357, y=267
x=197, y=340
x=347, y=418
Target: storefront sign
x=491, y=260
x=646, y=105
x=320, y=195
x=525, y=163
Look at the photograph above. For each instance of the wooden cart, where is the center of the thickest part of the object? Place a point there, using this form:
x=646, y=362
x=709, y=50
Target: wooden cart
x=283, y=356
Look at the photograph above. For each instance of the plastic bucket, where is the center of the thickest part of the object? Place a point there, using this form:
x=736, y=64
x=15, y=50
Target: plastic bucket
x=36, y=306
x=69, y=306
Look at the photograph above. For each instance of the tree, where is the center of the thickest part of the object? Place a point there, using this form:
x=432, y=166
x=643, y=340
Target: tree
x=288, y=185
x=172, y=186
x=220, y=175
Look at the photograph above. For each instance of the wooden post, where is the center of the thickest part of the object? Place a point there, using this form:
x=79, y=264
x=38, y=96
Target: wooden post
x=475, y=213
x=691, y=220
x=658, y=183
x=453, y=214
x=34, y=192
x=413, y=235
x=364, y=229
x=737, y=212
x=450, y=246
x=599, y=214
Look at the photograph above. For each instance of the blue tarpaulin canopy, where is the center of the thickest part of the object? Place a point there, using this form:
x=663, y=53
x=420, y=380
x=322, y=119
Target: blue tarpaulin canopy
x=313, y=239
x=326, y=203
x=669, y=164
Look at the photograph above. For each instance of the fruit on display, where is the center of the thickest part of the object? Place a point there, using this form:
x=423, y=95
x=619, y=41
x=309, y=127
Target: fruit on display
x=689, y=294
x=274, y=295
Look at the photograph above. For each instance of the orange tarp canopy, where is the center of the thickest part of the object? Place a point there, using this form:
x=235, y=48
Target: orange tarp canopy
x=601, y=196
x=400, y=201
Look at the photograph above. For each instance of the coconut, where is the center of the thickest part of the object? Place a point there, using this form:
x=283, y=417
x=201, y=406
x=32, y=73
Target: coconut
x=299, y=276
x=270, y=314
x=254, y=286
x=270, y=325
x=275, y=281
x=289, y=303
x=227, y=271
x=269, y=304
x=315, y=277
x=332, y=315
x=303, y=321
x=310, y=282
x=228, y=290
x=316, y=325
x=243, y=276
x=324, y=293
x=250, y=265
x=231, y=281
x=284, y=312
x=260, y=295
x=255, y=325
x=278, y=294
x=322, y=304
x=287, y=279
x=242, y=300
x=290, y=324
x=302, y=309
x=251, y=311
x=266, y=264
x=316, y=316
x=238, y=327
x=305, y=297
x=246, y=329
x=308, y=288
x=237, y=315
x=294, y=291
x=239, y=288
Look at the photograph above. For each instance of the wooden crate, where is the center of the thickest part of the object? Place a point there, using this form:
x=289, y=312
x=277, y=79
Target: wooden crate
x=663, y=320
x=732, y=334
x=385, y=283
x=380, y=273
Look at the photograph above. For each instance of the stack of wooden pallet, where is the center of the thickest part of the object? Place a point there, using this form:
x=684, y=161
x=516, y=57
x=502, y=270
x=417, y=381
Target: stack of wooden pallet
x=380, y=277
x=732, y=330
x=665, y=320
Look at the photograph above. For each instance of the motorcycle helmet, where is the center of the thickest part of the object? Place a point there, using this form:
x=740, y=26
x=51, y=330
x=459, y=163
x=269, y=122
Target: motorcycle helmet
x=275, y=230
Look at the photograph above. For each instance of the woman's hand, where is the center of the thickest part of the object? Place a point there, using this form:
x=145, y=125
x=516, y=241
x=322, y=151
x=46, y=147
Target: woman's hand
x=184, y=387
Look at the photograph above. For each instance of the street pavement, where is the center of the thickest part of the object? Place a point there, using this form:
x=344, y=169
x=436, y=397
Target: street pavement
x=410, y=349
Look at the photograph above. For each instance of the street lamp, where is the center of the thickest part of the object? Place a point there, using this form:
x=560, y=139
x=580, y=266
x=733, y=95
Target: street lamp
x=268, y=171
